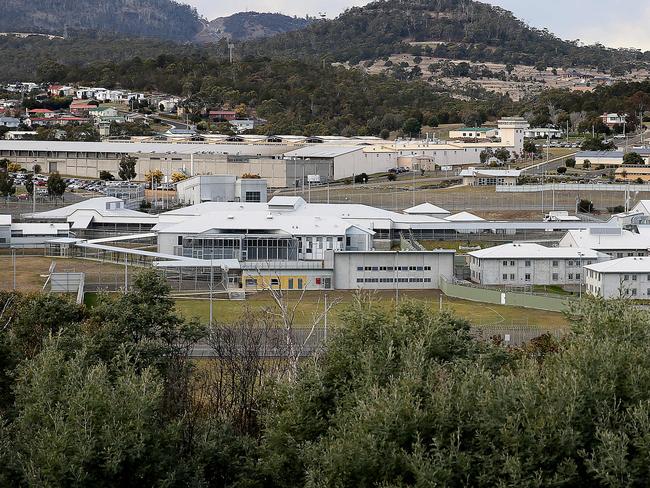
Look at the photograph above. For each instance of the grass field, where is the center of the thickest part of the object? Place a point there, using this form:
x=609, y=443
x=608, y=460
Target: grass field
x=477, y=313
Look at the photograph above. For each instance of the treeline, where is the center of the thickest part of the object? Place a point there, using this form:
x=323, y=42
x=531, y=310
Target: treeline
x=107, y=397
x=296, y=97
x=164, y=19
x=458, y=29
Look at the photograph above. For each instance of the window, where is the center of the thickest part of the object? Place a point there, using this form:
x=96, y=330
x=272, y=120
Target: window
x=633, y=290
x=505, y=276
x=512, y=277
x=570, y=276
x=512, y=263
x=577, y=276
x=626, y=277
x=556, y=264
x=253, y=196
x=359, y=268
x=251, y=282
x=275, y=282
x=634, y=277
x=359, y=280
x=555, y=277
x=527, y=277
x=527, y=264
x=505, y=263
x=570, y=263
x=619, y=254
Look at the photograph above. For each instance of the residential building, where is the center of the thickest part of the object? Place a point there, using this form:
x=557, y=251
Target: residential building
x=528, y=264
x=9, y=122
x=626, y=277
x=222, y=115
x=613, y=120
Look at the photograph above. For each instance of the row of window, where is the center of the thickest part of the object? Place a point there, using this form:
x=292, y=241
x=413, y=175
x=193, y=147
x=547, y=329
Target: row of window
x=393, y=268
x=527, y=276
x=555, y=264
x=393, y=280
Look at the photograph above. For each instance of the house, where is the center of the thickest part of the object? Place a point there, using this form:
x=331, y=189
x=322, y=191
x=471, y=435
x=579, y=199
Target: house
x=41, y=113
x=222, y=115
x=626, y=277
x=474, y=133
x=9, y=122
x=61, y=91
x=528, y=264
x=614, y=120
x=489, y=177
x=242, y=125
x=82, y=108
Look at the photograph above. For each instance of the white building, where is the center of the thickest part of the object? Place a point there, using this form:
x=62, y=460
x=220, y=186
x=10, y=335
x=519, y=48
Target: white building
x=221, y=188
x=489, y=177
x=613, y=241
x=9, y=122
x=627, y=277
x=543, y=133
x=527, y=264
x=482, y=133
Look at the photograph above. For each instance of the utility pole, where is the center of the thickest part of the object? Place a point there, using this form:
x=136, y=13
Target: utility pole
x=126, y=273
x=211, y=288
x=13, y=259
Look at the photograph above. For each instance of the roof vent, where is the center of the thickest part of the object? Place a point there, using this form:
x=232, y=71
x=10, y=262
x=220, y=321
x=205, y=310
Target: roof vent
x=269, y=217
x=231, y=217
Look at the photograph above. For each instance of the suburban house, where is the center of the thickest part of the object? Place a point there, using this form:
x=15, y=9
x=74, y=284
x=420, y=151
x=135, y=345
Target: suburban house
x=222, y=115
x=613, y=120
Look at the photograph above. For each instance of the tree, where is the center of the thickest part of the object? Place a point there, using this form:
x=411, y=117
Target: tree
x=502, y=154
x=155, y=176
x=585, y=206
x=361, y=178
x=13, y=167
x=570, y=162
x=561, y=170
x=586, y=164
x=485, y=155
x=55, y=185
x=37, y=169
x=596, y=144
x=412, y=126
x=639, y=181
x=126, y=170
x=29, y=184
x=106, y=175
x=392, y=176
x=633, y=158
x=530, y=147
x=384, y=134
x=180, y=176
x=7, y=187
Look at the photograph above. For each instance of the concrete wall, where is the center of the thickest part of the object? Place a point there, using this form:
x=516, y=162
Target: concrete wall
x=615, y=285
x=504, y=298
x=377, y=270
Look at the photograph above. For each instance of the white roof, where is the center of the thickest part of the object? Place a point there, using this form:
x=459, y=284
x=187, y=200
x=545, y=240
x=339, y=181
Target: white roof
x=82, y=213
x=252, y=221
x=535, y=251
x=5, y=219
x=319, y=151
x=624, y=265
x=464, y=217
x=503, y=173
x=614, y=238
x=426, y=209
x=98, y=204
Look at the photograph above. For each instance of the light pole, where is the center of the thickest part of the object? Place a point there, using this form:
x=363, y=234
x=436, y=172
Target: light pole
x=580, y=255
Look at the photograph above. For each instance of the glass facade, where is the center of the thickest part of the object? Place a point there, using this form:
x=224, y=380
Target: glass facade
x=248, y=248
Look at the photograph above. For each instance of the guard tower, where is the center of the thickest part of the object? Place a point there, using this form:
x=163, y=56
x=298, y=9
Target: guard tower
x=511, y=130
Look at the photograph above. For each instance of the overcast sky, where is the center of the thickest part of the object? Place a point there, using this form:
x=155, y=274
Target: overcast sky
x=615, y=23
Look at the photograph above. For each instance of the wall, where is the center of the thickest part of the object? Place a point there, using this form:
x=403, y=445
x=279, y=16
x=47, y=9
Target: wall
x=287, y=279
x=504, y=298
x=350, y=267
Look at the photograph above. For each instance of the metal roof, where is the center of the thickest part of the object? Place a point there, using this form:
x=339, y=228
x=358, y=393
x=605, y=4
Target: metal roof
x=426, y=209
x=319, y=151
x=527, y=250
x=633, y=264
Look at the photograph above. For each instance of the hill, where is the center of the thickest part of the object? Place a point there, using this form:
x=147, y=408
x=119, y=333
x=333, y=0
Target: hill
x=164, y=19
x=454, y=29
x=244, y=26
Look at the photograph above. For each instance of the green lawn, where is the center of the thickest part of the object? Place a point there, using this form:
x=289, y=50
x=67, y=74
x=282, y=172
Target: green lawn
x=476, y=313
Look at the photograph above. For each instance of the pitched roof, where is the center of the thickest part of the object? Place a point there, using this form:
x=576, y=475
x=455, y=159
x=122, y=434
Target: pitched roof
x=464, y=217
x=426, y=209
x=632, y=264
x=535, y=251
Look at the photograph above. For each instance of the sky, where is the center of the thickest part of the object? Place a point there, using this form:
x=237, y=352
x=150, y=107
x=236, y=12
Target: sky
x=615, y=23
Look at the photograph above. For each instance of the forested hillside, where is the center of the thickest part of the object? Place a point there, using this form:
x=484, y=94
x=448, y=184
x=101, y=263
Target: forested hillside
x=250, y=25
x=458, y=29
x=165, y=19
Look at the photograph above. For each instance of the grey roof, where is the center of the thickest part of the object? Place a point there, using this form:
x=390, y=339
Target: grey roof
x=322, y=151
x=600, y=154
